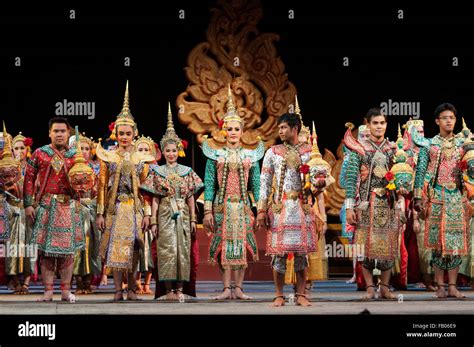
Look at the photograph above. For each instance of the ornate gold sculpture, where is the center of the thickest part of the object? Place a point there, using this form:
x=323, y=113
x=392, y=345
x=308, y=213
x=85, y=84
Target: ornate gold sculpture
x=235, y=53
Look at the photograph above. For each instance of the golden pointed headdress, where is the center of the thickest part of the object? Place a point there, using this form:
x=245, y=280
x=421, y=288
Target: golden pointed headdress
x=80, y=163
x=401, y=165
x=170, y=135
x=17, y=138
x=305, y=132
x=7, y=155
x=125, y=116
x=149, y=142
x=231, y=114
x=316, y=157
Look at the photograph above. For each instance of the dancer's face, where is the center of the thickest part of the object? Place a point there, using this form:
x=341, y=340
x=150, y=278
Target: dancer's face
x=19, y=150
x=85, y=149
x=59, y=134
x=377, y=126
x=446, y=121
x=234, y=132
x=287, y=133
x=171, y=153
x=144, y=148
x=125, y=135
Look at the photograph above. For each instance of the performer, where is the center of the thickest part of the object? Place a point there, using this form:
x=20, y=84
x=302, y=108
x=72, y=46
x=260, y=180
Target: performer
x=87, y=262
x=146, y=263
x=21, y=264
x=348, y=229
x=440, y=194
x=377, y=221
x=287, y=215
x=122, y=212
x=173, y=212
x=232, y=172
x=58, y=224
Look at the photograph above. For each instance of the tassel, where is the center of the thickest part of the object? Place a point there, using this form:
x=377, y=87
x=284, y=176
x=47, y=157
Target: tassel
x=181, y=154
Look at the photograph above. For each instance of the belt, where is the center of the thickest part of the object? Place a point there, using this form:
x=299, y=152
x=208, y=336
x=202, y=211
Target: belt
x=449, y=185
x=58, y=197
x=292, y=194
x=380, y=191
x=124, y=197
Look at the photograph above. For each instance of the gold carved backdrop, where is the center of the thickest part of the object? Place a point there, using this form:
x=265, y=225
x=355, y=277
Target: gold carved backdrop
x=237, y=53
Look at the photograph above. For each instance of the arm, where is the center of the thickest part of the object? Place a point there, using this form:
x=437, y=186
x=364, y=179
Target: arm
x=322, y=210
x=421, y=167
x=254, y=180
x=102, y=188
x=210, y=178
x=352, y=176
x=30, y=179
x=266, y=180
x=192, y=213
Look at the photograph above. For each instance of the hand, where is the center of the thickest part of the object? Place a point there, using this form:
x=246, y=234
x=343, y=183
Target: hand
x=262, y=221
x=208, y=222
x=193, y=228
x=100, y=222
x=30, y=214
x=325, y=227
x=351, y=217
x=416, y=226
x=154, y=230
x=145, y=223
x=418, y=206
x=403, y=191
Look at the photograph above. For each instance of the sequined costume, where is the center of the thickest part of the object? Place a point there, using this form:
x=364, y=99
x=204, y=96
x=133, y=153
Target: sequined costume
x=377, y=230
x=439, y=182
x=291, y=217
x=230, y=175
x=174, y=185
x=58, y=228
x=120, y=200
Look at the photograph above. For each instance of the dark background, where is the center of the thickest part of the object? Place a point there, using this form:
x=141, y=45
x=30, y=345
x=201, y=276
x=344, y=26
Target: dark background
x=82, y=60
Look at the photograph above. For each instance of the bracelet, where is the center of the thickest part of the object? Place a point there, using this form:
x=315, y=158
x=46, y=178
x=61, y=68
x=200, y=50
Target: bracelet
x=153, y=221
x=207, y=212
x=194, y=221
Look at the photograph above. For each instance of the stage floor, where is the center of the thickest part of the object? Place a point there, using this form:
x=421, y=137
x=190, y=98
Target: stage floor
x=327, y=297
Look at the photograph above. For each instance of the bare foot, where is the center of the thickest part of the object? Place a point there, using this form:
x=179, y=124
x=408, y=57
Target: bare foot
x=432, y=288
x=139, y=288
x=47, y=296
x=453, y=292
x=66, y=295
x=420, y=285
x=226, y=294
x=239, y=294
x=385, y=292
x=170, y=295
x=352, y=279
x=440, y=293
x=302, y=300
x=103, y=281
x=370, y=293
x=132, y=296
x=146, y=289
x=118, y=296
x=278, y=301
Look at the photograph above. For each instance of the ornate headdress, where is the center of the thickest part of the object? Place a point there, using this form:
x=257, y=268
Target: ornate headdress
x=27, y=141
x=305, y=132
x=231, y=114
x=7, y=156
x=170, y=136
x=80, y=163
x=401, y=166
x=154, y=150
x=125, y=117
x=465, y=132
x=316, y=157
